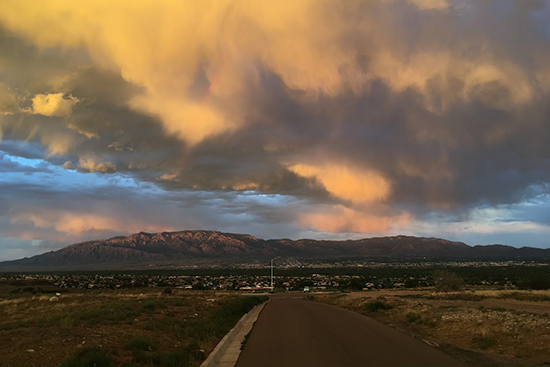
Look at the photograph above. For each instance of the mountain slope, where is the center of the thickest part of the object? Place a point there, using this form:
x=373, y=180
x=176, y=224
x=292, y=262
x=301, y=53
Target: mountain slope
x=187, y=247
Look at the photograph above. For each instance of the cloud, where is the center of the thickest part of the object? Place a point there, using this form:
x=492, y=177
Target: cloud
x=430, y=4
x=341, y=219
x=371, y=110
x=53, y=104
x=8, y=103
x=91, y=165
x=77, y=223
x=358, y=186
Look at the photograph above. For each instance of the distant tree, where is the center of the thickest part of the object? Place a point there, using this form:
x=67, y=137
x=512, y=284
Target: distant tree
x=536, y=281
x=447, y=281
x=356, y=284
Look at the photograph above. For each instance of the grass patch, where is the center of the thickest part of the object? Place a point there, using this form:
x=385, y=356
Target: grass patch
x=145, y=354
x=165, y=324
x=89, y=357
x=178, y=358
x=148, y=306
x=11, y=325
x=151, y=329
x=141, y=344
x=523, y=296
x=414, y=295
x=460, y=296
x=113, y=312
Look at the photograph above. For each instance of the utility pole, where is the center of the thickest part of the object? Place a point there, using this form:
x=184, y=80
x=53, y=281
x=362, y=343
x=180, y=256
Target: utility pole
x=275, y=258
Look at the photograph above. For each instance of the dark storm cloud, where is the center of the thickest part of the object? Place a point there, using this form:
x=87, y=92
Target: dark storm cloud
x=381, y=111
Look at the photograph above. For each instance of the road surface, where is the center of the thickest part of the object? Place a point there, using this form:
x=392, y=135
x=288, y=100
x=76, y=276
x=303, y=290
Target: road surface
x=293, y=332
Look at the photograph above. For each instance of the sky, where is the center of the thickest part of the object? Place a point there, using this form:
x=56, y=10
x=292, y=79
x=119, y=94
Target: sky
x=293, y=119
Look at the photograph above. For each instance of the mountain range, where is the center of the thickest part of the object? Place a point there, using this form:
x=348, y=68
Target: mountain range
x=146, y=250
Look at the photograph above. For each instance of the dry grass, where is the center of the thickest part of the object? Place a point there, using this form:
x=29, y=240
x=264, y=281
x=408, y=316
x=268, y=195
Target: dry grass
x=183, y=326
x=486, y=327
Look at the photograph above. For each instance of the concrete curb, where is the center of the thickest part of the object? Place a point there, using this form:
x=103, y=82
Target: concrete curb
x=235, y=336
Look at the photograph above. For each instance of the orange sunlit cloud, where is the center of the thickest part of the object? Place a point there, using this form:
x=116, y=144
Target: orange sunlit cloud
x=226, y=39
x=265, y=114
x=75, y=223
x=54, y=104
x=347, y=183
x=341, y=219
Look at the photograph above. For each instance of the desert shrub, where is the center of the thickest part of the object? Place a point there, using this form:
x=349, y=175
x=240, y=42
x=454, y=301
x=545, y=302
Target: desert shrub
x=447, y=281
x=416, y=317
x=167, y=291
x=67, y=322
x=142, y=350
x=429, y=322
x=231, y=311
x=484, y=341
x=377, y=305
x=412, y=316
x=89, y=357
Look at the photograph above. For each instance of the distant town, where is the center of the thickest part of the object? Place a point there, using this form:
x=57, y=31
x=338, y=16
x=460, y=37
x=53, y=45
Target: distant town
x=288, y=276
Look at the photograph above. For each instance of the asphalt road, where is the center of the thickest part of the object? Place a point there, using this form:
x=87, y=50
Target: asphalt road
x=292, y=332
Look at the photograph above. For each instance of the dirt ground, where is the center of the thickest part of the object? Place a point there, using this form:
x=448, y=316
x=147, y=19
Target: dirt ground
x=481, y=327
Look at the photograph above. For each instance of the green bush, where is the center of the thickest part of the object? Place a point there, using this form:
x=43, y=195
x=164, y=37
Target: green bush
x=89, y=357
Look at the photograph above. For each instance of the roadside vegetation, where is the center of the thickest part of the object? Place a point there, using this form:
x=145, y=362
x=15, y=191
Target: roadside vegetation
x=140, y=327
x=480, y=325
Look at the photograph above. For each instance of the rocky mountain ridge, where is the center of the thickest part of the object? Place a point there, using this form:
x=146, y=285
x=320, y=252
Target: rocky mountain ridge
x=188, y=247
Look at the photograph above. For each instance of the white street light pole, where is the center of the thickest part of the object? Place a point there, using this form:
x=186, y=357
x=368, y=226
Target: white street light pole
x=275, y=258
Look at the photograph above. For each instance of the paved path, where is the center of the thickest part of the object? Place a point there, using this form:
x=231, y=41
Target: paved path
x=291, y=332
